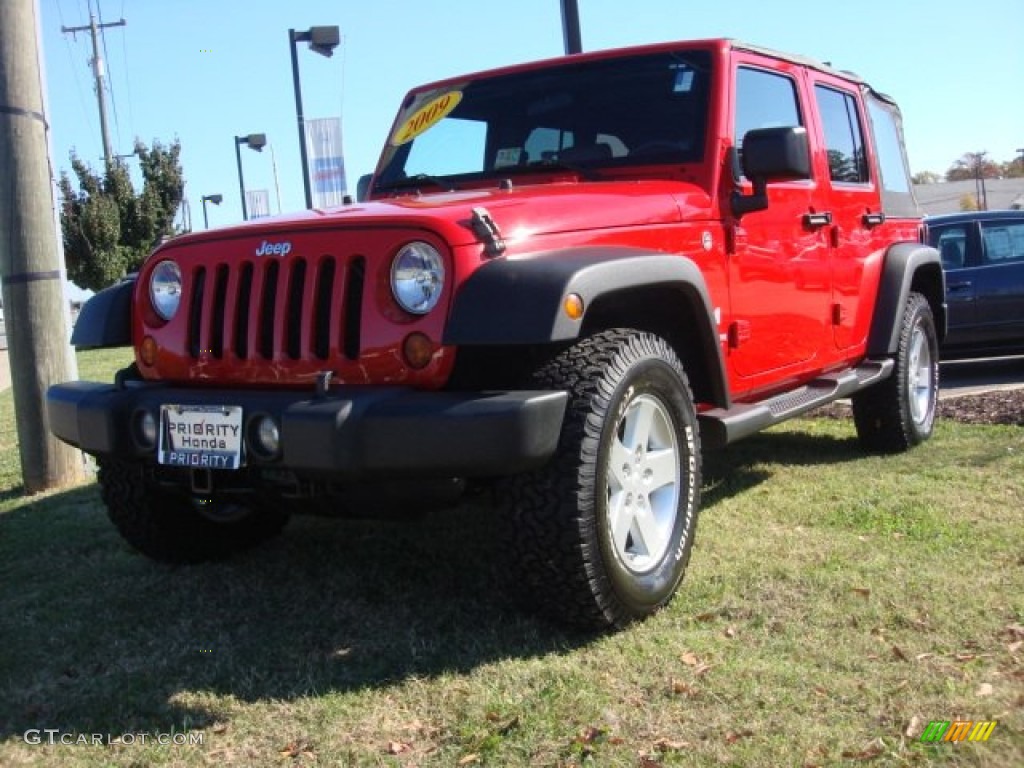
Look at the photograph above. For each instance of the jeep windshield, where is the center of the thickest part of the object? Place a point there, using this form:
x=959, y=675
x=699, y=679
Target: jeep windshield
x=578, y=116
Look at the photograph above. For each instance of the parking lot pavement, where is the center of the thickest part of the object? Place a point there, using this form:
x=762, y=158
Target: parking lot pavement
x=973, y=377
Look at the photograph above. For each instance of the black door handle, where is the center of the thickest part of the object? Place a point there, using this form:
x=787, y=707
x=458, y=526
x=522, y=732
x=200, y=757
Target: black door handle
x=817, y=220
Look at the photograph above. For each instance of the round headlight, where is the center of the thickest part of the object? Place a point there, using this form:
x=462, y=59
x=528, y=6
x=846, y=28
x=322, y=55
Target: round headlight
x=417, y=277
x=165, y=289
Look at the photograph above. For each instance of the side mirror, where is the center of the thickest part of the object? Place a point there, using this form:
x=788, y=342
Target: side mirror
x=363, y=187
x=771, y=155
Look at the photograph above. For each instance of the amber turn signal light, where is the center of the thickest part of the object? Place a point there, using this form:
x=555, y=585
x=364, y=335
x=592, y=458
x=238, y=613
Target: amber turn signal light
x=573, y=306
x=417, y=349
x=148, y=350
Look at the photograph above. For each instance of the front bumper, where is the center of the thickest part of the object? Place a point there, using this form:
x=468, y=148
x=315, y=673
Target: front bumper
x=360, y=431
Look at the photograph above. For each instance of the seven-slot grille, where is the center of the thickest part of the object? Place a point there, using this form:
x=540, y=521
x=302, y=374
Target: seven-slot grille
x=272, y=309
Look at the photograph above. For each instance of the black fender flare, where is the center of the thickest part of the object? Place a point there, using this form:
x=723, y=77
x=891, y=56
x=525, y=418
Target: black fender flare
x=520, y=300
x=907, y=266
x=105, y=320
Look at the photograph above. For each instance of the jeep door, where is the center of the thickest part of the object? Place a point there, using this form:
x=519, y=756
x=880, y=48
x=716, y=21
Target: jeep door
x=779, y=279
x=852, y=224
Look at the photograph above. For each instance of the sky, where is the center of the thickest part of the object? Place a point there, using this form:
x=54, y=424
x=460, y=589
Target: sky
x=206, y=71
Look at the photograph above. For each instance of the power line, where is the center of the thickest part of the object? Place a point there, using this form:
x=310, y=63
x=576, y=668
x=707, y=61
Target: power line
x=98, y=73
x=73, y=65
x=127, y=76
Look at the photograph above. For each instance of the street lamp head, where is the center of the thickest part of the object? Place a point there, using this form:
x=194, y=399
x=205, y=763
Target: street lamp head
x=255, y=141
x=324, y=40
x=215, y=199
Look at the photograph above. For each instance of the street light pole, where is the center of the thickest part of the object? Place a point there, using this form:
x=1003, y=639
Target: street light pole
x=322, y=40
x=216, y=200
x=571, y=27
x=255, y=141
x=239, y=140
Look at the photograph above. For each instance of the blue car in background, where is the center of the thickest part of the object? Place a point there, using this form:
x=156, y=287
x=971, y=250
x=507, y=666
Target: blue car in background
x=983, y=257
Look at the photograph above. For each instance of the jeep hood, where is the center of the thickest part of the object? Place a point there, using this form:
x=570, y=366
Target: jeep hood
x=520, y=213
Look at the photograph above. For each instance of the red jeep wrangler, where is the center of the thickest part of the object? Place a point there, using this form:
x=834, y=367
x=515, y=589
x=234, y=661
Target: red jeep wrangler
x=570, y=277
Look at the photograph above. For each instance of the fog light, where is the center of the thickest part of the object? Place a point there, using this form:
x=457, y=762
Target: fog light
x=148, y=350
x=267, y=436
x=145, y=430
x=417, y=350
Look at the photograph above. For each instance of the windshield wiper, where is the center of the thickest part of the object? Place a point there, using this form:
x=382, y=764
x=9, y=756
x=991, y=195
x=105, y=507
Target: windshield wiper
x=418, y=180
x=587, y=172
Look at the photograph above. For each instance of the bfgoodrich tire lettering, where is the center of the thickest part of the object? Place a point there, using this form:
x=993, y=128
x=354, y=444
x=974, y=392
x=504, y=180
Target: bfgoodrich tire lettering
x=163, y=524
x=899, y=413
x=602, y=535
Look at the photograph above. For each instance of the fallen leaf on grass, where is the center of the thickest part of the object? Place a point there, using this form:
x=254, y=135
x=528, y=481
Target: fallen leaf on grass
x=220, y=728
x=730, y=632
x=899, y=654
x=862, y=591
x=702, y=670
x=731, y=737
x=869, y=753
x=474, y=758
x=821, y=691
x=683, y=688
x=1014, y=647
x=1015, y=630
x=964, y=656
x=398, y=747
x=667, y=745
x=297, y=749
x=690, y=659
x=923, y=656
x=648, y=762
x=913, y=729
x=707, y=616
x=985, y=689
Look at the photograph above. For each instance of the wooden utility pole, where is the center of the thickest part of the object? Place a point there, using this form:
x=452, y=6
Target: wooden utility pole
x=99, y=72
x=31, y=266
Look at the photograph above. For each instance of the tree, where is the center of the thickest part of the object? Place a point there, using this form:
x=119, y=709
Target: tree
x=1012, y=169
x=926, y=177
x=969, y=202
x=108, y=228
x=970, y=166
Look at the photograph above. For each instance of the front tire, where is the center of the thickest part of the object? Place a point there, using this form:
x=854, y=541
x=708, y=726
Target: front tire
x=602, y=535
x=165, y=524
x=899, y=413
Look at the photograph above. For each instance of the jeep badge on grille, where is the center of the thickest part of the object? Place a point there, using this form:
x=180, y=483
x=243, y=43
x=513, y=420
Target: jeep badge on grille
x=274, y=249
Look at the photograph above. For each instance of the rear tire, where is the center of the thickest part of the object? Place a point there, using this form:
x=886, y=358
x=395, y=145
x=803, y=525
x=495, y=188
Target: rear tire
x=899, y=413
x=164, y=524
x=601, y=536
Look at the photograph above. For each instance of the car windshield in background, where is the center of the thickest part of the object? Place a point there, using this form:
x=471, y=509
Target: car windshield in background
x=582, y=116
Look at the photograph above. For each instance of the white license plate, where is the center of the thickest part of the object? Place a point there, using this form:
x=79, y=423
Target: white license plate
x=201, y=436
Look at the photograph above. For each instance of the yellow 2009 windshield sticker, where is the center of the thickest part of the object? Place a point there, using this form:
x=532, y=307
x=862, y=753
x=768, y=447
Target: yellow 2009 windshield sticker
x=426, y=117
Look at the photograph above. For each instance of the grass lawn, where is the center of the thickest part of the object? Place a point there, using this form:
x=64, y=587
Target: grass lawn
x=835, y=604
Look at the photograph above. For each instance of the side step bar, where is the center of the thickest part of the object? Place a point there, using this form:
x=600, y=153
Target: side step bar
x=721, y=426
